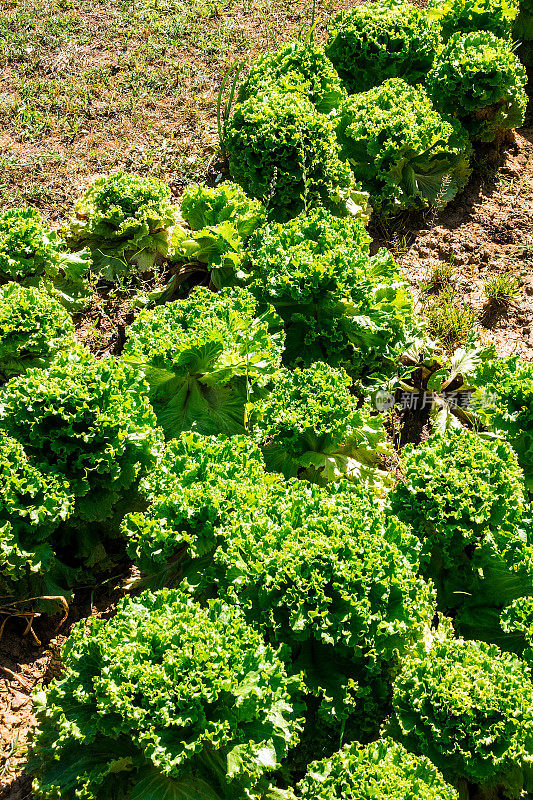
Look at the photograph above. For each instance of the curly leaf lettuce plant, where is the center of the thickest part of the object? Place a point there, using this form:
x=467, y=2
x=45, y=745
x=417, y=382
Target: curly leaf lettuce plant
x=479, y=80
x=34, y=502
x=327, y=574
x=33, y=254
x=165, y=700
x=197, y=483
x=468, y=16
x=203, y=206
x=205, y=358
x=34, y=328
x=222, y=219
x=338, y=304
x=91, y=421
x=405, y=154
x=195, y=460
x=468, y=707
x=125, y=220
x=504, y=403
x=517, y=621
x=464, y=496
x=300, y=67
x=375, y=41
x=310, y=426
x=383, y=769
x=284, y=153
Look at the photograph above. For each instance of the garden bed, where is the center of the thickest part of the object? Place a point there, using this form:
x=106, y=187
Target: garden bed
x=47, y=156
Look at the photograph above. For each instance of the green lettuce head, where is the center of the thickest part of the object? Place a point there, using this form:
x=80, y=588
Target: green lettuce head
x=404, y=153
x=165, y=700
x=205, y=358
x=34, y=328
x=284, y=153
x=222, y=219
x=468, y=16
x=383, y=769
x=34, y=255
x=469, y=708
x=373, y=42
x=479, y=80
x=126, y=221
x=337, y=303
x=310, y=426
x=300, y=67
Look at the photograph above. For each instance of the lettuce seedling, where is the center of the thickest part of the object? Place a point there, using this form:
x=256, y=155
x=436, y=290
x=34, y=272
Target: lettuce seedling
x=165, y=700
x=125, y=221
x=383, y=769
x=310, y=426
x=375, y=41
x=300, y=67
x=338, y=304
x=468, y=707
x=467, y=16
x=205, y=358
x=478, y=79
x=34, y=328
x=89, y=420
x=284, y=153
x=32, y=254
x=405, y=154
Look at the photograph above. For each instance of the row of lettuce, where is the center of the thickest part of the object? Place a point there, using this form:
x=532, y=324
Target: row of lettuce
x=304, y=619
x=389, y=108
x=382, y=118
x=294, y=600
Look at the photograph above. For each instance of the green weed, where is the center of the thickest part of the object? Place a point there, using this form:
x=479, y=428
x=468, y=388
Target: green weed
x=501, y=289
x=438, y=277
x=450, y=319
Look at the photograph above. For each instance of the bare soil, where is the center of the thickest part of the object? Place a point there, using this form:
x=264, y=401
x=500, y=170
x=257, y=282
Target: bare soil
x=487, y=230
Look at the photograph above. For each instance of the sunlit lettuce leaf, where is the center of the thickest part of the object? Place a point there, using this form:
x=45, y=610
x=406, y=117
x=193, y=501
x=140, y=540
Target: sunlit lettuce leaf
x=205, y=358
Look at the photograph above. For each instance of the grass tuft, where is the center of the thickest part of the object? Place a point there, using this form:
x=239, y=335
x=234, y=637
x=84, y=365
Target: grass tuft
x=501, y=289
x=438, y=277
x=450, y=319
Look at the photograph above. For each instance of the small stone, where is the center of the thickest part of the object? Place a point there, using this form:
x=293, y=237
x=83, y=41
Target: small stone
x=18, y=701
x=11, y=721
